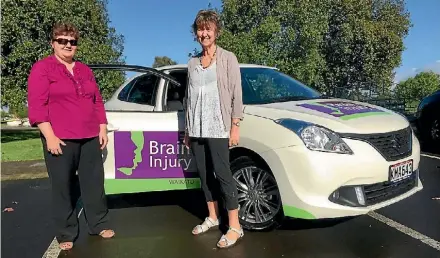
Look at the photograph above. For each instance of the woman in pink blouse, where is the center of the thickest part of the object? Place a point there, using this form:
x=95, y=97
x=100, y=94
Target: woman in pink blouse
x=65, y=103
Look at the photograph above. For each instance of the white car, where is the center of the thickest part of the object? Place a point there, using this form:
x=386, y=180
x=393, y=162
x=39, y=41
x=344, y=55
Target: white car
x=300, y=155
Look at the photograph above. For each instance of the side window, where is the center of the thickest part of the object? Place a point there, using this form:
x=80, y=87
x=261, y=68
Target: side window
x=142, y=90
x=123, y=94
x=175, y=94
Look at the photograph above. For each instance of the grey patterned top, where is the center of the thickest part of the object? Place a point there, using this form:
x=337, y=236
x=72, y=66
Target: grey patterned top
x=204, y=104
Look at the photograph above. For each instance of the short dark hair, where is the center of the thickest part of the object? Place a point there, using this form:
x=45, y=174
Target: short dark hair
x=204, y=17
x=65, y=29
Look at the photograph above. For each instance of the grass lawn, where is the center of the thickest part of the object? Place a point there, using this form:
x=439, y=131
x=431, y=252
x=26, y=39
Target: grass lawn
x=18, y=145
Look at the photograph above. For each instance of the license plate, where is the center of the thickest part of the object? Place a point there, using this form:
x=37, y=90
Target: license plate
x=400, y=171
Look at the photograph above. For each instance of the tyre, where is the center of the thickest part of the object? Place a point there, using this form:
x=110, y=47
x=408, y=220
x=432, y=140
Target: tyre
x=260, y=206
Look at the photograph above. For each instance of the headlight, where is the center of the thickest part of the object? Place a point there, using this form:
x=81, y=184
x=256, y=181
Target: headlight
x=315, y=137
x=322, y=139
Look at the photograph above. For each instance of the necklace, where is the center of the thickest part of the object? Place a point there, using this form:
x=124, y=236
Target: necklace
x=200, y=58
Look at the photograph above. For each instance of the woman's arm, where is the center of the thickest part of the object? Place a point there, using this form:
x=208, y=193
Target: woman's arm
x=38, y=98
x=185, y=98
x=185, y=101
x=100, y=113
x=235, y=80
x=185, y=109
x=236, y=98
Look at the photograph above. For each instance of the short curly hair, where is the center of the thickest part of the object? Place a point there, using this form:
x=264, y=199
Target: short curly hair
x=65, y=29
x=204, y=18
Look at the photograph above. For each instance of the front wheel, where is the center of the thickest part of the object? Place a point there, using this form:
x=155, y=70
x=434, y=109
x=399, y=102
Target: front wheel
x=259, y=200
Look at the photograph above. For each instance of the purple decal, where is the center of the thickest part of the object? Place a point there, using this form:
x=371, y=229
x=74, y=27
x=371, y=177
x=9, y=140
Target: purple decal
x=152, y=155
x=340, y=109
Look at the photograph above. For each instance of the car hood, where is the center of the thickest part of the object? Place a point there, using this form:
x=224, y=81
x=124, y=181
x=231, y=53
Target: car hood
x=339, y=115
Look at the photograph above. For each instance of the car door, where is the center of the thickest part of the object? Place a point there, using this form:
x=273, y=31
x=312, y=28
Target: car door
x=145, y=151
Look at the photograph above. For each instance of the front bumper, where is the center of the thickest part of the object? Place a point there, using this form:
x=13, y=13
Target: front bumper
x=308, y=180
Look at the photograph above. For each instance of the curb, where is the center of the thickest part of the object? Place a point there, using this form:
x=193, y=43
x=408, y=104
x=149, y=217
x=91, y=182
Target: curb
x=24, y=176
x=17, y=170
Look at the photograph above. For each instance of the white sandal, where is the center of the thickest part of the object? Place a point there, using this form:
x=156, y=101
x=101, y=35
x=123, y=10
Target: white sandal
x=229, y=242
x=205, y=226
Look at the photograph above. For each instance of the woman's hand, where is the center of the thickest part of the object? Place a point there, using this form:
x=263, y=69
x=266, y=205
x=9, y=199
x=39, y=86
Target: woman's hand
x=53, y=145
x=103, y=138
x=234, y=136
x=186, y=140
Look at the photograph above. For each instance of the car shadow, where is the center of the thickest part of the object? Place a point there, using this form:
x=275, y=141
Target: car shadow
x=193, y=202
x=303, y=224
x=189, y=200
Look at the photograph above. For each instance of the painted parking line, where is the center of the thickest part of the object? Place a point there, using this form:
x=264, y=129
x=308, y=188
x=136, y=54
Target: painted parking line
x=54, y=250
x=430, y=156
x=406, y=230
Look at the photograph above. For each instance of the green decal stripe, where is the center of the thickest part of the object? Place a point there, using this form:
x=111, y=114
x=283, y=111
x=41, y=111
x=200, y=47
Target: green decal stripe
x=294, y=212
x=116, y=186
x=353, y=116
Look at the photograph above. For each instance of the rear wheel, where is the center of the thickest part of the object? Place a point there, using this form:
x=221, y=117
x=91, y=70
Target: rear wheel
x=259, y=200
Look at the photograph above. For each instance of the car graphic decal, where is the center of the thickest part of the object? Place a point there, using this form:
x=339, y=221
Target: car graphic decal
x=150, y=154
x=343, y=110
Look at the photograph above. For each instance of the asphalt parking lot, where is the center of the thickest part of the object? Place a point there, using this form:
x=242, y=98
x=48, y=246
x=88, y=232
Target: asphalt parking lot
x=159, y=225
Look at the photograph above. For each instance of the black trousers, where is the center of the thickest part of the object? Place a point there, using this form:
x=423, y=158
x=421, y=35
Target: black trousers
x=84, y=156
x=212, y=159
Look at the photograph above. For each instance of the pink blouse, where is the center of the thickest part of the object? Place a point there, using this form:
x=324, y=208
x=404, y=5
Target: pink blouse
x=71, y=103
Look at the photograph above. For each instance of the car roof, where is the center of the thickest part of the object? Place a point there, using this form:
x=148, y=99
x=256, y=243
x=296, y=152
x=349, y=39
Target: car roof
x=184, y=66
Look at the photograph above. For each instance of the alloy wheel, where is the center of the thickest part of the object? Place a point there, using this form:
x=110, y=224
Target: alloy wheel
x=258, y=195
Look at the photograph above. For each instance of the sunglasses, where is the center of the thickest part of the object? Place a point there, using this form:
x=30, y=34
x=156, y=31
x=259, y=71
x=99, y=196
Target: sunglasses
x=73, y=42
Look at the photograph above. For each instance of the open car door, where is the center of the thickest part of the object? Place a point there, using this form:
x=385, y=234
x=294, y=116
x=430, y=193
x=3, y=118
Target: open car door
x=145, y=151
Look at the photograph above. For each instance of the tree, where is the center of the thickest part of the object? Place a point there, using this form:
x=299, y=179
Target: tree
x=416, y=88
x=26, y=26
x=163, y=61
x=327, y=44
